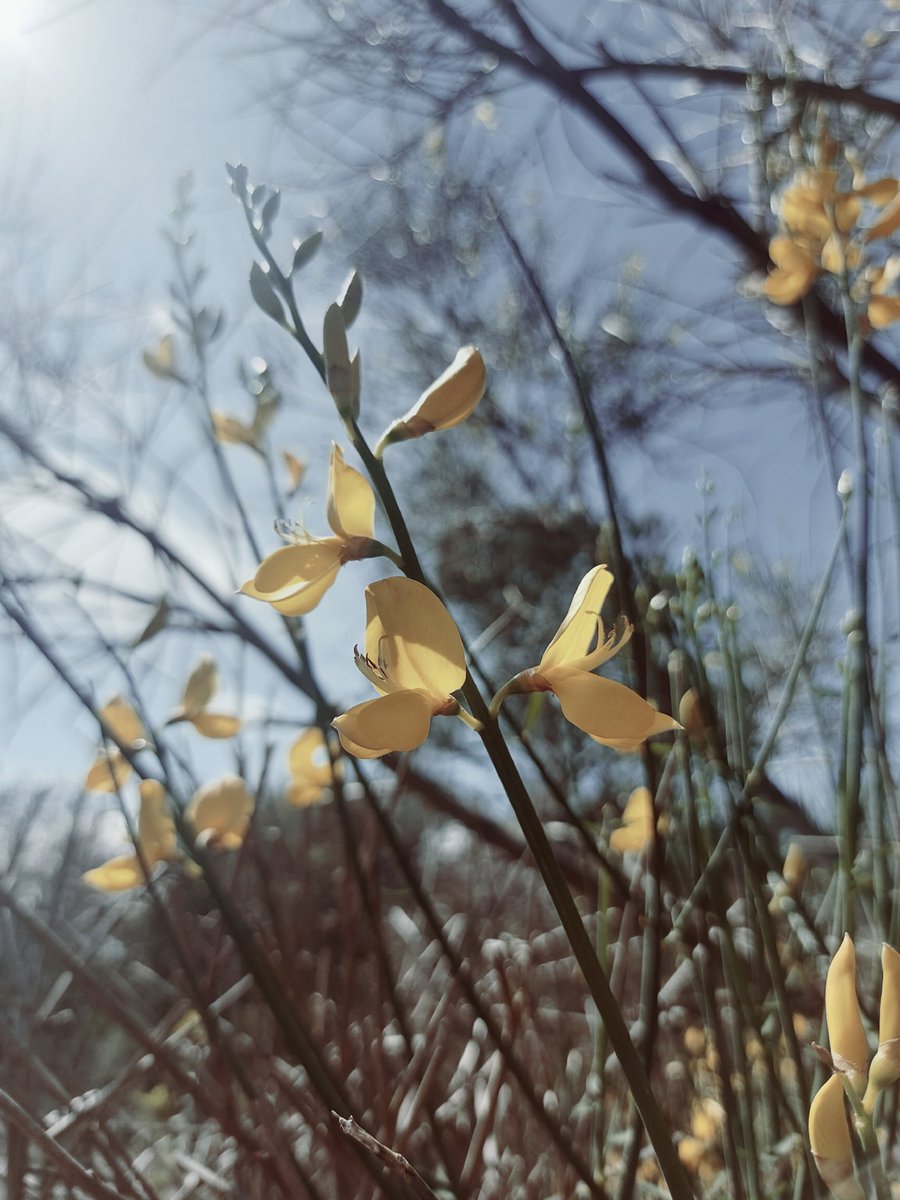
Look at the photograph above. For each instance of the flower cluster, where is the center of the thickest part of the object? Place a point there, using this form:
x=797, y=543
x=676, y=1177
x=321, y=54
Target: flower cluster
x=414, y=657
x=218, y=816
x=824, y=230
x=853, y=1075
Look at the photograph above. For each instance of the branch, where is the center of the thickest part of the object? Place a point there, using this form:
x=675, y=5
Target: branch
x=742, y=77
x=394, y=1162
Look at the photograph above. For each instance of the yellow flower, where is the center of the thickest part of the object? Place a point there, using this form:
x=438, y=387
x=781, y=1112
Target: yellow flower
x=296, y=470
x=111, y=768
x=636, y=830
x=813, y=207
x=156, y=838
x=310, y=767
x=295, y=578
x=198, y=691
x=846, y=1036
x=885, y=1068
x=414, y=657
x=235, y=432
x=609, y=712
x=220, y=812
x=451, y=398
x=829, y=1140
x=796, y=270
x=884, y=309
x=162, y=361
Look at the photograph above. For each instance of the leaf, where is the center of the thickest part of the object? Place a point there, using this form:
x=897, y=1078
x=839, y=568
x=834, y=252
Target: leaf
x=238, y=176
x=269, y=213
x=161, y=361
x=306, y=250
x=338, y=371
x=263, y=293
x=350, y=299
x=155, y=625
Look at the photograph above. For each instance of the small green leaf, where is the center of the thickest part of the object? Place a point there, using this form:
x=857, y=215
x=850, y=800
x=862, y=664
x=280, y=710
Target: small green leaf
x=306, y=250
x=350, y=298
x=238, y=176
x=269, y=213
x=264, y=294
x=338, y=370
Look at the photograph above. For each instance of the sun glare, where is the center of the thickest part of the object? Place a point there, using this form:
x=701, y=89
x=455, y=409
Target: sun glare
x=12, y=20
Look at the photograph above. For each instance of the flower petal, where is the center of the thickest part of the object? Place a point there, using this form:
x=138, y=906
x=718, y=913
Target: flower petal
x=889, y=1015
x=582, y=622
x=661, y=724
x=604, y=708
x=351, y=501
x=308, y=759
x=846, y=1035
x=107, y=772
x=286, y=572
x=122, y=721
x=829, y=1133
x=199, y=689
x=400, y=722
x=220, y=811
x=418, y=639
x=636, y=830
x=216, y=725
x=156, y=829
x=787, y=287
x=890, y=221
x=117, y=875
x=454, y=395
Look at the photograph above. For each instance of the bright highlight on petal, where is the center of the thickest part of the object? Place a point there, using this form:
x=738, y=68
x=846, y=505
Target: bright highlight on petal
x=415, y=658
x=452, y=398
x=582, y=624
x=295, y=578
x=220, y=812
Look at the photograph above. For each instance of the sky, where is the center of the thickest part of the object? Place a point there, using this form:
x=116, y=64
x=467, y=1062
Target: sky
x=103, y=106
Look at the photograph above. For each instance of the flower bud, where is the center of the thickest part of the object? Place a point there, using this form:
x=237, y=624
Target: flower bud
x=451, y=398
x=846, y=1036
x=829, y=1140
